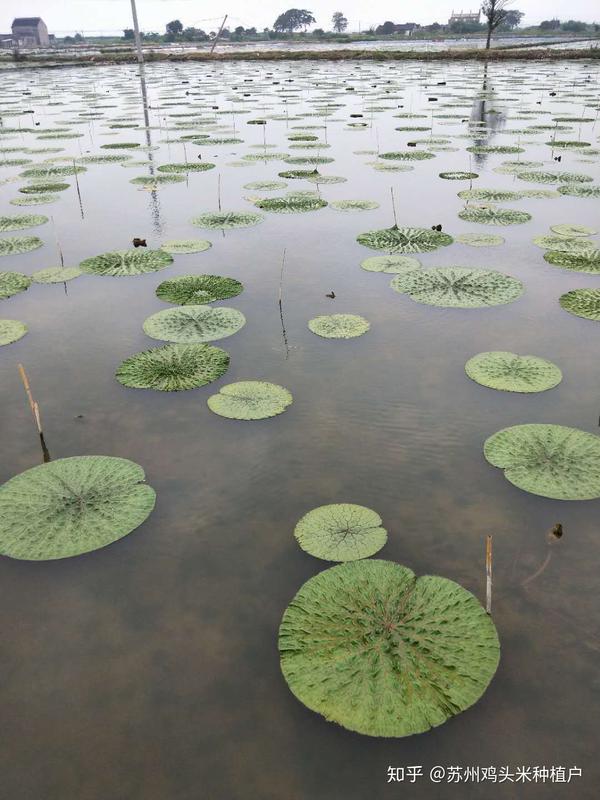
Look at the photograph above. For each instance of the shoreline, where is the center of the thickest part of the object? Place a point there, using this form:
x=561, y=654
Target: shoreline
x=494, y=54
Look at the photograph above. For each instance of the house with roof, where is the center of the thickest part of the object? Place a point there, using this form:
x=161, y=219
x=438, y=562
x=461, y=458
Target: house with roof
x=30, y=32
x=469, y=16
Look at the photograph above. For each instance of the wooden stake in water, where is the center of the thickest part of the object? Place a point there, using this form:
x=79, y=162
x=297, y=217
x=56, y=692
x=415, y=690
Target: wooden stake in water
x=219, y=190
x=35, y=410
x=488, y=575
x=394, y=207
x=285, y=340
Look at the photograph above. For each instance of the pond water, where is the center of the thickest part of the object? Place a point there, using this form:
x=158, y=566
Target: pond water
x=149, y=670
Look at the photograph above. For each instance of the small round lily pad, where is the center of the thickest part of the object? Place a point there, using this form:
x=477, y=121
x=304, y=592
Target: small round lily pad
x=226, y=220
x=12, y=283
x=56, y=274
x=341, y=532
x=390, y=264
x=185, y=246
x=339, y=326
x=21, y=221
x=404, y=240
x=509, y=372
x=15, y=245
x=585, y=261
x=491, y=215
x=480, y=239
x=11, y=330
x=250, y=400
x=573, y=230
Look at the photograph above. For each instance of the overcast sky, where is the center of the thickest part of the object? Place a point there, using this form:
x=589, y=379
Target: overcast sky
x=67, y=16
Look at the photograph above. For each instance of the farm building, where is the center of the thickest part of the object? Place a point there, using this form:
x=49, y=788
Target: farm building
x=30, y=32
x=470, y=16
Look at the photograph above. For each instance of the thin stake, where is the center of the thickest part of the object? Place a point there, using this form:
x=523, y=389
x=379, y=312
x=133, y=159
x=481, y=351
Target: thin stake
x=488, y=575
x=394, y=206
x=283, y=331
x=219, y=190
x=78, y=190
x=35, y=410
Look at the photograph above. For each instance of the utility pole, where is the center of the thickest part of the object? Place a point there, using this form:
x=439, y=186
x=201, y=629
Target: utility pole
x=136, y=33
x=218, y=34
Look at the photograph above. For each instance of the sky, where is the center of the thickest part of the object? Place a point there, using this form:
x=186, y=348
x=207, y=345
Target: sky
x=110, y=16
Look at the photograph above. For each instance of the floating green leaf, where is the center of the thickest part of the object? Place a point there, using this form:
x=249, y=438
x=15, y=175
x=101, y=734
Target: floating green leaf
x=407, y=155
x=227, y=219
x=553, y=177
x=250, y=400
x=12, y=283
x=341, y=532
x=404, y=240
x=21, y=221
x=56, y=274
x=549, y=460
x=491, y=215
x=458, y=287
x=185, y=246
x=586, y=261
x=575, y=190
x=573, y=230
x=458, y=176
x=354, y=205
x=390, y=264
x=491, y=195
x=189, y=290
x=509, y=372
x=290, y=204
x=44, y=188
x=72, y=506
x=194, y=324
x=265, y=186
x=15, y=245
x=127, y=262
x=564, y=244
x=370, y=646
x=173, y=367
x=580, y=302
x=193, y=166
x=35, y=200
x=11, y=330
x=339, y=326
x=480, y=239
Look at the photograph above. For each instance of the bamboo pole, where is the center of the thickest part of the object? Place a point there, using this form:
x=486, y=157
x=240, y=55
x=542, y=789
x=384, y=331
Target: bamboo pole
x=35, y=410
x=136, y=33
x=488, y=575
x=214, y=44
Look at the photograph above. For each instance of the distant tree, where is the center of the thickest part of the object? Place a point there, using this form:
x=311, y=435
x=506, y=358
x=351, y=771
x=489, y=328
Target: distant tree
x=434, y=27
x=574, y=26
x=339, y=22
x=78, y=38
x=512, y=19
x=466, y=27
x=128, y=33
x=194, y=35
x=386, y=29
x=495, y=12
x=175, y=28
x=293, y=19
x=318, y=32
x=550, y=25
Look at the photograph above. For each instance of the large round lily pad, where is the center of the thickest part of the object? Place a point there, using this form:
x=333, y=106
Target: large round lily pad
x=341, y=532
x=565, y=229
x=491, y=215
x=11, y=330
x=72, y=506
x=15, y=245
x=584, y=261
x=12, y=283
x=565, y=244
x=173, y=367
x=250, y=400
x=370, y=646
x=458, y=287
x=194, y=324
x=580, y=302
x=339, y=326
x=509, y=372
x=127, y=262
x=404, y=240
x=191, y=290
x=21, y=221
x=549, y=460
